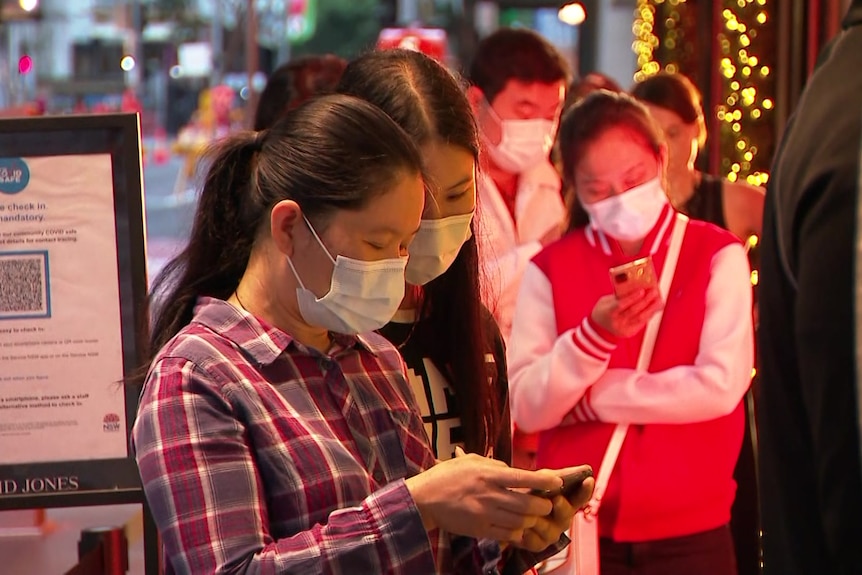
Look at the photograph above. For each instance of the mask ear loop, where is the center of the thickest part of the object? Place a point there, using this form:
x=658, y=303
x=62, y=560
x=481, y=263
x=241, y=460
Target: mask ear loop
x=295, y=274
x=319, y=241
x=322, y=245
x=429, y=196
x=492, y=112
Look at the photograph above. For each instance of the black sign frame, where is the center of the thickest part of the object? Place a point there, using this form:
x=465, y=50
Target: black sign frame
x=98, y=481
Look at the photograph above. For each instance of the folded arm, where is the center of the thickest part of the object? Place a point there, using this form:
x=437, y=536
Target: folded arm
x=710, y=388
x=548, y=373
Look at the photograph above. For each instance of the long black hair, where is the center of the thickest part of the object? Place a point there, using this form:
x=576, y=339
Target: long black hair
x=455, y=330
x=332, y=153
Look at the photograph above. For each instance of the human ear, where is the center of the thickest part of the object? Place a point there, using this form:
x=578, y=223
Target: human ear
x=284, y=218
x=476, y=98
x=662, y=159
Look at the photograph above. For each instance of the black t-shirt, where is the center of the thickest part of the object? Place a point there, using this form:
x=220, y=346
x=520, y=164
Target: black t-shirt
x=436, y=397
x=707, y=202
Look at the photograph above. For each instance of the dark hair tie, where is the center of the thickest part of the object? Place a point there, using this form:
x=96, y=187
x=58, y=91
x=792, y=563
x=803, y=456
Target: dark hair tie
x=259, y=138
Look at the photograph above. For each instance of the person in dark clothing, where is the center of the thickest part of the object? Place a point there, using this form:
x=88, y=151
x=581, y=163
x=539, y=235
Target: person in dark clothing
x=582, y=87
x=809, y=428
x=295, y=82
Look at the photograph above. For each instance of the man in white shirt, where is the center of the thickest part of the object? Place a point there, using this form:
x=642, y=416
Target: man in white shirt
x=518, y=85
x=518, y=82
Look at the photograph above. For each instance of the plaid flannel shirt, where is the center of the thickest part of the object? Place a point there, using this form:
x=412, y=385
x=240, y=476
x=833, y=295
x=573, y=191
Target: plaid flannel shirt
x=261, y=455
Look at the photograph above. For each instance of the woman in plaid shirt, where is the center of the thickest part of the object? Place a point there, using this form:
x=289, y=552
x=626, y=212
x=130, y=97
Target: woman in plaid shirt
x=276, y=433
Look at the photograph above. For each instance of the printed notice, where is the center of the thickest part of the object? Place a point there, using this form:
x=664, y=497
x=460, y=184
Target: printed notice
x=61, y=365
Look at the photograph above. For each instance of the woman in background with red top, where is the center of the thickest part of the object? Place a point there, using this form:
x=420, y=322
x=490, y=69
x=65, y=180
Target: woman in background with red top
x=575, y=346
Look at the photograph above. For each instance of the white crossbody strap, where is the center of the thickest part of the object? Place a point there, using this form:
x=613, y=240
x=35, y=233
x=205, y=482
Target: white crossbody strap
x=619, y=435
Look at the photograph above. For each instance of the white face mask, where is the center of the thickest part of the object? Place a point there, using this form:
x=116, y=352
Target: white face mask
x=363, y=296
x=436, y=246
x=631, y=215
x=523, y=143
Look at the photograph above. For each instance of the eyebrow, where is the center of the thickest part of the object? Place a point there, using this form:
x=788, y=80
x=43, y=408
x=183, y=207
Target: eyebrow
x=588, y=178
x=391, y=230
x=637, y=166
x=463, y=182
x=524, y=100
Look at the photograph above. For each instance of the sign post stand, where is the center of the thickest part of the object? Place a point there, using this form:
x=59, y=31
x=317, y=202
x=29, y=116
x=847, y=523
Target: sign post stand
x=73, y=313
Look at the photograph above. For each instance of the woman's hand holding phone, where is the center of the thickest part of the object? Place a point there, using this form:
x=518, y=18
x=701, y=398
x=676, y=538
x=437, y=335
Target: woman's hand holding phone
x=635, y=301
x=575, y=493
x=627, y=316
x=482, y=497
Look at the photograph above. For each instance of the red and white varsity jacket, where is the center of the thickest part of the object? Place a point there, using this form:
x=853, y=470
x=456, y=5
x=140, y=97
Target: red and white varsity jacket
x=674, y=475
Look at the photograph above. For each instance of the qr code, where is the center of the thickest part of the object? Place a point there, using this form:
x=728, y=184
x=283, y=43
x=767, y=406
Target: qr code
x=24, y=285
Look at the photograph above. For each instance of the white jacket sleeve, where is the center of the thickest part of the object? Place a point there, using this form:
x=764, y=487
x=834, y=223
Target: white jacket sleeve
x=548, y=374
x=504, y=269
x=710, y=388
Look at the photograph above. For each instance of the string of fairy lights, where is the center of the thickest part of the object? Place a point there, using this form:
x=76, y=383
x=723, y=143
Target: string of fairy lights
x=646, y=42
x=660, y=43
x=745, y=78
x=664, y=40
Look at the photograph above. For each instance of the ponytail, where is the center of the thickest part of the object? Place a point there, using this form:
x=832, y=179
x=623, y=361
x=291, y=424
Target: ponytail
x=333, y=153
x=219, y=247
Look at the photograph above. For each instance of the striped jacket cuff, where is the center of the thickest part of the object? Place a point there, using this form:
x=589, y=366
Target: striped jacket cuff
x=583, y=410
x=594, y=340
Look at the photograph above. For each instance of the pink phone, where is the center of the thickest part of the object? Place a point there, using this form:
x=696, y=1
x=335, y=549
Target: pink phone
x=639, y=274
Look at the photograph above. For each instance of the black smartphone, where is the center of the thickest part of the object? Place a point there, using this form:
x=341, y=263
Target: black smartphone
x=571, y=483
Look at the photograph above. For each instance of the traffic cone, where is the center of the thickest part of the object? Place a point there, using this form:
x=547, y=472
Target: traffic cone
x=161, y=152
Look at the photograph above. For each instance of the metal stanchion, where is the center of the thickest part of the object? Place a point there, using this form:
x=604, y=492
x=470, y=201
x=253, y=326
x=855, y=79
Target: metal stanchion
x=102, y=551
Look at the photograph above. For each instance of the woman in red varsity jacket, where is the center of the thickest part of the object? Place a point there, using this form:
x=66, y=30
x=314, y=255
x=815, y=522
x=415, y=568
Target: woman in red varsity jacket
x=575, y=346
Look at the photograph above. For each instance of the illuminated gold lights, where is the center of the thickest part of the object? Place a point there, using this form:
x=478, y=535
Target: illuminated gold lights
x=752, y=241
x=663, y=40
x=743, y=100
x=645, y=41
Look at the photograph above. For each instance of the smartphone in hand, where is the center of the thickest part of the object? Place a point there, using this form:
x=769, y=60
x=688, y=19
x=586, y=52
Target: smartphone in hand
x=632, y=276
x=571, y=484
